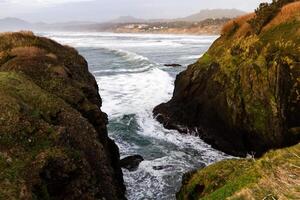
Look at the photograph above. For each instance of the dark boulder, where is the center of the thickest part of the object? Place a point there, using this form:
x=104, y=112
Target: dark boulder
x=161, y=167
x=131, y=162
x=172, y=65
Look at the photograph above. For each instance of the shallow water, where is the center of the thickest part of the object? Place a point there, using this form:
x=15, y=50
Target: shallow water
x=132, y=79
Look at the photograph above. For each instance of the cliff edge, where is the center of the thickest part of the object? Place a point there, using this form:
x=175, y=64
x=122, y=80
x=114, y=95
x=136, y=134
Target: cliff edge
x=274, y=176
x=53, y=137
x=242, y=96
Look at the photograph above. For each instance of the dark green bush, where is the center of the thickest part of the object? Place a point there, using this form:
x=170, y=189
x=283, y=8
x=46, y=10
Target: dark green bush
x=266, y=12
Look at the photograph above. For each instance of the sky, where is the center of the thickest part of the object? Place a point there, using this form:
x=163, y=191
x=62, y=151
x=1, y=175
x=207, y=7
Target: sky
x=103, y=10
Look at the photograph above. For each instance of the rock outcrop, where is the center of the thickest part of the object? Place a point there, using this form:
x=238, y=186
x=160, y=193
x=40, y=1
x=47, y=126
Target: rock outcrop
x=53, y=136
x=243, y=95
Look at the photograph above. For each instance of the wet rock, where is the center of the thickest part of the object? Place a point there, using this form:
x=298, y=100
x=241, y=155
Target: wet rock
x=161, y=167
x=131, y=162
x=172, y=65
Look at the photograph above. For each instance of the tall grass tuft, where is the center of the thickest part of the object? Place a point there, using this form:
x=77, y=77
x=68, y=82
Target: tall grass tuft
x=237, y=23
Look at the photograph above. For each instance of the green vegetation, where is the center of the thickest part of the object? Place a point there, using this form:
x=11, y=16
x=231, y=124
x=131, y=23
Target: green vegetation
x=276, y=175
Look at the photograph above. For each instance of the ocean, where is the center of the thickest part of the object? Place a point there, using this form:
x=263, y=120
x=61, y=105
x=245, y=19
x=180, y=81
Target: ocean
x=132, y=78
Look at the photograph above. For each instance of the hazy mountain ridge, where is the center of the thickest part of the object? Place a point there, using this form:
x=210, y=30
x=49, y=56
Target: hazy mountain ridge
x=11, y=23
x=213, y=14
x=122, y=23
x=200, y=16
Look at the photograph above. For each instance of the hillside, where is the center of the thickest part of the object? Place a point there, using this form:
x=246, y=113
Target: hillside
x=212, y=14
x=11, y=24
x=127, y=19
x=53, y=136
x=205, y=27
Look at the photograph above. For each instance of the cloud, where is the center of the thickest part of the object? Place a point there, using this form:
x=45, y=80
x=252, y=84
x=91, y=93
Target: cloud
x=40, y=2
x=102, y=10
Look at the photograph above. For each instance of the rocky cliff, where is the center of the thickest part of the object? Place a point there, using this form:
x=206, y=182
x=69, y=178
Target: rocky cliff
x=242, y=96
x=53, y=137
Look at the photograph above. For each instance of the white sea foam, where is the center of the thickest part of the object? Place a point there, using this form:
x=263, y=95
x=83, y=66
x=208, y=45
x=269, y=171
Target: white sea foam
x=136, y=70
x=133, y=93
x=189, y=57
x=133, y=35
x=115, y=40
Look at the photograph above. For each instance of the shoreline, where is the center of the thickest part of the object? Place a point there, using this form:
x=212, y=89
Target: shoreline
x=115, y=32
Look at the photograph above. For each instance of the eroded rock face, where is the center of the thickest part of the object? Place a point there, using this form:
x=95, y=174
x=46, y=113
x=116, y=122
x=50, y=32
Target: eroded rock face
x=53, y=137
x=242, y=96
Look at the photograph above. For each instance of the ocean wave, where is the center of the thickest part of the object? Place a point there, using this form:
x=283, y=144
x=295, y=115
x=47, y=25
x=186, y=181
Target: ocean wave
x=135, y=91
x=116, y=40
x=135, y=35
x=128, y=55
x=123, y=70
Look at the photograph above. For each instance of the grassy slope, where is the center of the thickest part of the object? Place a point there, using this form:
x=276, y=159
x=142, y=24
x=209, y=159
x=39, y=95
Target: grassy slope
x=276, y=174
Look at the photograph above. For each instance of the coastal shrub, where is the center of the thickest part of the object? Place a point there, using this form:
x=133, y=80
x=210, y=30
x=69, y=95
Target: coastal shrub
x=266, y=12
x=228, y=27
x=288, y=11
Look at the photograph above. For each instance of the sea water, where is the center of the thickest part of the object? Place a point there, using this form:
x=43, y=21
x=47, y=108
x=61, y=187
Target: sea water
x=132, y=78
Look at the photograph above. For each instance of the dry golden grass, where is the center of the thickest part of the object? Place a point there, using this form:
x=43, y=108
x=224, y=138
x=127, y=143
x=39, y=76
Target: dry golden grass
x=280, y=182
x=243, y=194
x=287, y=12
x=51, y=55
x=227, y=27
x=240, y=21
x=27, y=51
x=28, y=33
x=243, y=30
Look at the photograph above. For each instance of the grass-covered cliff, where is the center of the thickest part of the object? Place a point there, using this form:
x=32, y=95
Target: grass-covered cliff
x=53, y=137
x=274, y=176
x=243, y=95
